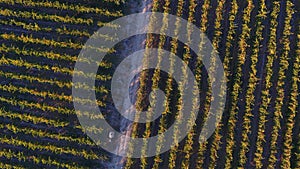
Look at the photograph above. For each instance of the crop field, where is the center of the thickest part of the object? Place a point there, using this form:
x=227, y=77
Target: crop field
x=258, y=42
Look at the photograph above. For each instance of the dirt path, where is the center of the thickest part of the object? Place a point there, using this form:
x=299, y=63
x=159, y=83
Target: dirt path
x=118, y=162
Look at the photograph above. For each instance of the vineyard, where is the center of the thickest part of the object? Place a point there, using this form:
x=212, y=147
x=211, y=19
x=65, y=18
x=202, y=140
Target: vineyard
x=258, y=43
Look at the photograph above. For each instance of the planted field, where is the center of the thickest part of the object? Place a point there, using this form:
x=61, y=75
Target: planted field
x=258, y=43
